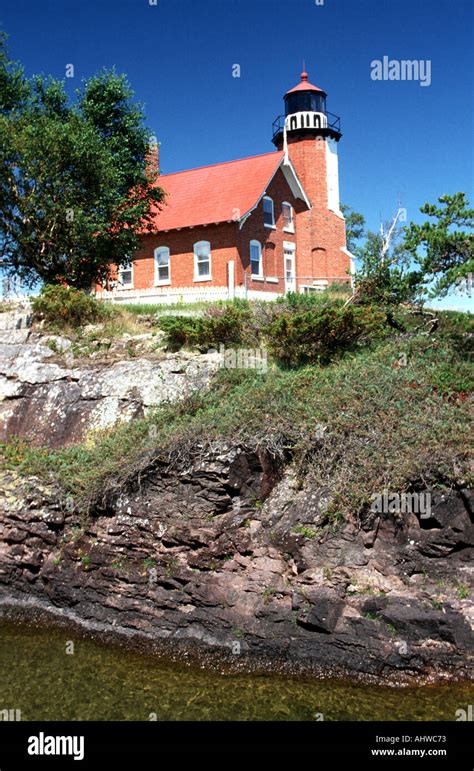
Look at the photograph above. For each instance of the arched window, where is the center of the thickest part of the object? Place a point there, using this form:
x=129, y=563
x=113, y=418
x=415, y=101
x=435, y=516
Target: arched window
x=256, y=258
x=202, y=261
x=288, y=220
x=162, y=265
x=268, y=212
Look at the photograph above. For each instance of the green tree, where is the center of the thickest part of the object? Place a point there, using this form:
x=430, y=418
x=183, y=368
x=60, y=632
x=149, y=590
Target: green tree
x=13, y=89
x=447, y=247
x=384, y=273
x=384, y=279
x=75, y=193
x=355, y=226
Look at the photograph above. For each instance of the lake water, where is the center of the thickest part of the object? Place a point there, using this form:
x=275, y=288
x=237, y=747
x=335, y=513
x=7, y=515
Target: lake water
x=98, y=682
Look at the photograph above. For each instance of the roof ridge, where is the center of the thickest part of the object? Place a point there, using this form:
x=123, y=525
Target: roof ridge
x=223, y=163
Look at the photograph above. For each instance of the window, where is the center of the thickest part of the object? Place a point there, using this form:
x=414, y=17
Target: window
x=289, y=254
x=125, y=276
x=162, y=265
x=308, y=288
x=202, y=261
x=256, y=258
x=287, y=212
x=268, y=213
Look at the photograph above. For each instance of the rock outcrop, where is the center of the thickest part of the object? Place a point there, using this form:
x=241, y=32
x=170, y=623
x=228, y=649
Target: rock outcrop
x=53, y=397
x=189, y=561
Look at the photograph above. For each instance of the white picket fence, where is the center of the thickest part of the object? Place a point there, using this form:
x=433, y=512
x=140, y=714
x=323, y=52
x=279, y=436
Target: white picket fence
x=165, y=295
x=186, y=295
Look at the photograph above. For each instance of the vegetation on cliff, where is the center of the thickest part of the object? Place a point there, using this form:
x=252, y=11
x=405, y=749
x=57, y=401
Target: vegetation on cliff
x=389, y=412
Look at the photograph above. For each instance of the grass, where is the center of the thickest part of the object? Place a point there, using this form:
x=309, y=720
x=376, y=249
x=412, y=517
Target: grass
x=157, y=309
x=391, y=629
x=336, y=294
x=6, y=306
x=268, y=593
x=306, y=531
x=462, y=591
x=98, y=337
x=116, y=322
x=371, y=616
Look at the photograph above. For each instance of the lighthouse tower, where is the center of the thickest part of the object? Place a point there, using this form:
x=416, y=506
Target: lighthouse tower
x=310, y=135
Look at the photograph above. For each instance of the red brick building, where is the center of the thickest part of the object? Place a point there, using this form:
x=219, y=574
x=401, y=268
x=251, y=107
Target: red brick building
x=254, y=227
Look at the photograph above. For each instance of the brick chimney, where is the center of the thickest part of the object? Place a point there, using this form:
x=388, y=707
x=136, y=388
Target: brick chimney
x=152, y=159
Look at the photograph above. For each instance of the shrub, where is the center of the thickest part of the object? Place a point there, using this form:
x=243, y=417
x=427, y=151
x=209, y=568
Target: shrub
x=300, y=300
x=340, y=287
x=228, y=324
x=453, y=377
x=63, y=306
x=317, y=335
x=180, y=331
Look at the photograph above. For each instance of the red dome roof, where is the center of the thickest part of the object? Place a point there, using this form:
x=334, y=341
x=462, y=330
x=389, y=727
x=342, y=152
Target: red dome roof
x=304, y=85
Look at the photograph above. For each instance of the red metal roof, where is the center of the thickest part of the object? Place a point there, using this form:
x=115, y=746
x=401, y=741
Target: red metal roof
x=216, y=193
x=305, y=85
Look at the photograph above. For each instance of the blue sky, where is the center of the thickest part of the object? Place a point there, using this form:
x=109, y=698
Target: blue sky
x=401, y=141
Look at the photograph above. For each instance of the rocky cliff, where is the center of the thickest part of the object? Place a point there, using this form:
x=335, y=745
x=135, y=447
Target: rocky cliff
x=55, y=392
x=188, y=558
x=221, y=554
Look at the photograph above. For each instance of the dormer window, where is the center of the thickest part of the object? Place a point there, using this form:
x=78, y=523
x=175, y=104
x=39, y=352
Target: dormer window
x=288, y=221
x=268, y=212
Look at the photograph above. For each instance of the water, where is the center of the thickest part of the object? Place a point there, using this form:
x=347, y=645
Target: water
x=109, y=683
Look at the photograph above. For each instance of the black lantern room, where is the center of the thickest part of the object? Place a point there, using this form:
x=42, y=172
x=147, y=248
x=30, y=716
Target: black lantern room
x=305, y=97
x=300, y=102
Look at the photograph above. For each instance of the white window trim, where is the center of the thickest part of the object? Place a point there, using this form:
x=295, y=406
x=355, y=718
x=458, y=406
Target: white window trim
x=254, y=242
x=272, y=226
x=197, y=277
x=121, y=286
x=291, y=229
x=165, y=281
